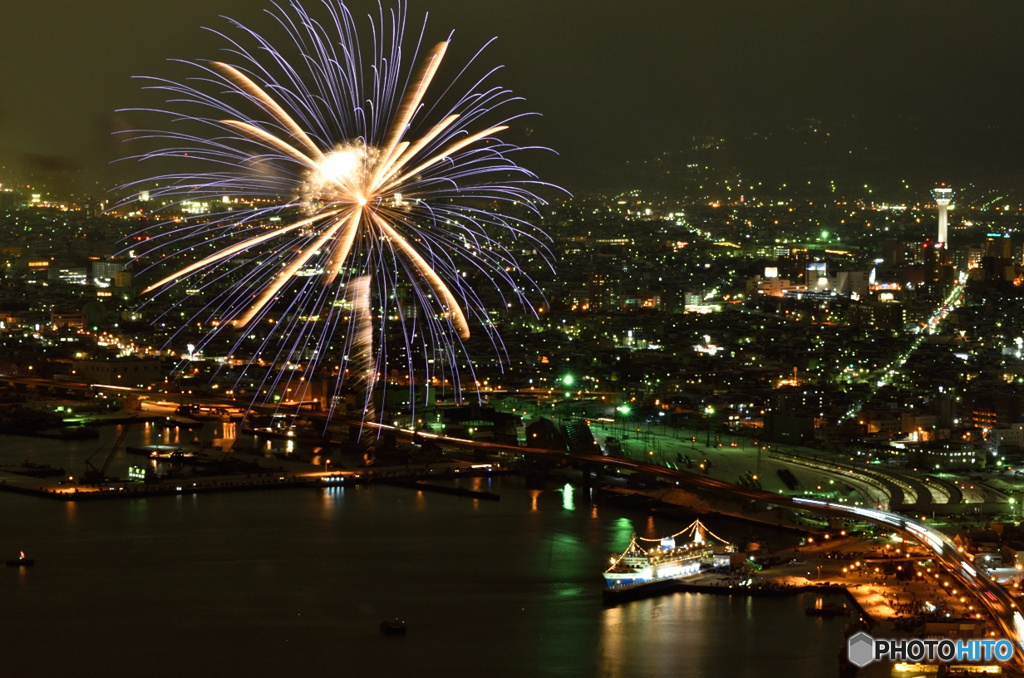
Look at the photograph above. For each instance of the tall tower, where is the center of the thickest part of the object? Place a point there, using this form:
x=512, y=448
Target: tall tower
x=943, y=196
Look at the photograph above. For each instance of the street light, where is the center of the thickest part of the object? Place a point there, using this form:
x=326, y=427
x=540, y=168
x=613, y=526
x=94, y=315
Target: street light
x=709, y=412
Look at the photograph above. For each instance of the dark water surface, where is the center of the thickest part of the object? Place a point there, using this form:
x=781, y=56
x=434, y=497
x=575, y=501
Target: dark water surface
x=297, y=581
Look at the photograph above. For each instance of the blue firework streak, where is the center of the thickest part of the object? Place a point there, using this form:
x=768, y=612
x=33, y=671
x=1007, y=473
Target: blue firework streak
x=354, y=179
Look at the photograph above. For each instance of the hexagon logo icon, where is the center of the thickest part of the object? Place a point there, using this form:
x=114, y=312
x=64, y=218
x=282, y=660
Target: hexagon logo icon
x=860, y=649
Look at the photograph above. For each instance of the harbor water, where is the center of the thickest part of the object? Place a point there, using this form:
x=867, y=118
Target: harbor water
x=278, y=582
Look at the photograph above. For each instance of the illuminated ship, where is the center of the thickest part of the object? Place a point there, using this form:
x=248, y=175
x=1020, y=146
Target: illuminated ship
x=666, y=560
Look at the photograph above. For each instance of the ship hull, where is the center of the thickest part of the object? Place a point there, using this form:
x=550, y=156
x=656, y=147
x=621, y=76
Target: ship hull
x=614, y=582
x=669, y=570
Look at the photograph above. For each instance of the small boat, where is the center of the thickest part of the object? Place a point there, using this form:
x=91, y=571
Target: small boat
x=392, y=628
x=159, y=452
x=21, y=561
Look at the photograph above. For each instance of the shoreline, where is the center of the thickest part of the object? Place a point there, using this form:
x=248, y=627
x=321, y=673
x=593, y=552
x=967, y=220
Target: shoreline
x=264, y=480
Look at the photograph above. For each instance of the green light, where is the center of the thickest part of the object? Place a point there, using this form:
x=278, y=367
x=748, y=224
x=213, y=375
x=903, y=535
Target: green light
x=567, y=380
x=624, y=409
x=567, y=501
x=824, y=235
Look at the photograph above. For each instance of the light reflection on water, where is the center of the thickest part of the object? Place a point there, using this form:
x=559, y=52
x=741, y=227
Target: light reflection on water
x=567, y=501
x=688, y=634
x=623, y=531
x=274, y=580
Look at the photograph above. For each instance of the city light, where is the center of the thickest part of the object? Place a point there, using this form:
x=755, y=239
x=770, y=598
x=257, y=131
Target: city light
x=335, y=265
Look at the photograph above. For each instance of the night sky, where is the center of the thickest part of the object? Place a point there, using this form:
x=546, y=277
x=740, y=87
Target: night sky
x=616, y=81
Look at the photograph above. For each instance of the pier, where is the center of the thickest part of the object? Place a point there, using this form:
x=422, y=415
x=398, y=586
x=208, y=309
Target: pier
x=57, y=488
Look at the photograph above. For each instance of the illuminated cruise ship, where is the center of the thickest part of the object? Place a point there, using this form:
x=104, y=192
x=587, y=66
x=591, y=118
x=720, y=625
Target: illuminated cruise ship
x=665, y=560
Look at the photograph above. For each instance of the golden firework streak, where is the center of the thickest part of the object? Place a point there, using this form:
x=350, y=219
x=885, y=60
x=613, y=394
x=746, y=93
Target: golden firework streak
x=258, y=134
x=341, y=251
x=255, y=90
x=390, y=171
x=223, y=254
x=444, y=154
x=284, y=276
x=458, y=319
x=414, y=96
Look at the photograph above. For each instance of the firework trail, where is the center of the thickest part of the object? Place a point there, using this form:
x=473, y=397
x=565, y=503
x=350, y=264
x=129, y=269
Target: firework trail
x=351, y=195
x=362, y=341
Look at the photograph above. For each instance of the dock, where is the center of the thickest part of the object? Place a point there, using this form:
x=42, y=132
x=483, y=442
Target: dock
x=201, y=485
x=252, y=479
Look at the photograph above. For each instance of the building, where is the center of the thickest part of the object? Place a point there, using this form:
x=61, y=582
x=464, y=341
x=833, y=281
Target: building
x=137, y=372
x=919, y=426
x=124, y=279
x=1012, y=437
x=998, y=245
x=794, y=429
x=854, y=284
x=601, y=292
x=947, y=456
x=995, y=409
x=955, y=628
x=816, y=278
x=880, y=315
x=74, y=320
x=77, y=275
x=106, y=270
x=943, y=196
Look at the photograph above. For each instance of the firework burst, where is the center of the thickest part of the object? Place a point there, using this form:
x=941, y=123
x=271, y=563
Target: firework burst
x=354, y=197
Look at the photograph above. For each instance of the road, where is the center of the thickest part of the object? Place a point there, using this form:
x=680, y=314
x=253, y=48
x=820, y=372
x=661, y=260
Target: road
x=960, y=566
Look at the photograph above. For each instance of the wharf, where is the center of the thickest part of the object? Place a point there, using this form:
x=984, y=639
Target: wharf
x=697, y=584
x=199, y=485
x=107, y=419
x=256, y=479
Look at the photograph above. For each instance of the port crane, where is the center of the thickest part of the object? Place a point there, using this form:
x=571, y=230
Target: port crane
x=95, y=476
